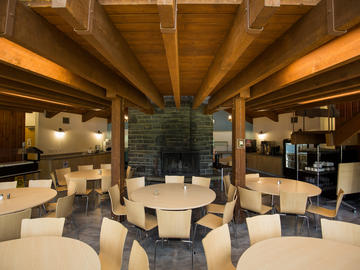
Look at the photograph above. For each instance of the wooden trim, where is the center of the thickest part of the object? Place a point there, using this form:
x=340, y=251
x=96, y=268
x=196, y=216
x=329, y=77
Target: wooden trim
x=168, y=16
x=236, y=43
x=291, y=46
x=96, y=28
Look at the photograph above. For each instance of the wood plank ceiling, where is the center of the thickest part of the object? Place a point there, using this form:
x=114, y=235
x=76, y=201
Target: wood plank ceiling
x=221, y=53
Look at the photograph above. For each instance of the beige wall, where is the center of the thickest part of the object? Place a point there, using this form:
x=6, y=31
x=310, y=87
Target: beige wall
x=78, y=136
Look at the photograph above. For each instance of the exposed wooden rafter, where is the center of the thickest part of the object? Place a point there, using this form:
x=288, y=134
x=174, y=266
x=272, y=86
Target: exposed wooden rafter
x=49, y=114
x=291, y=46
x=52, y=44
x=90, y=20
x=168, y=26
x=348, y=129
x=240, y=37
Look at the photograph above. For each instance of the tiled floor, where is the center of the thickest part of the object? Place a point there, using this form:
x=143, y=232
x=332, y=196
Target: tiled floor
x=177, y=255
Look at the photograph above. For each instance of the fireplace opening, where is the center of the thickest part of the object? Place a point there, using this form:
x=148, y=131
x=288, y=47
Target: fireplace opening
x=180, y=163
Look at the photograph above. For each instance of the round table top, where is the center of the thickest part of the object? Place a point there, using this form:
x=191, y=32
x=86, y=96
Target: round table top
x=269, y=185
x=47, y=252
x=23, y=198
x=90, y=174
x=174, y=196
x=299, y=253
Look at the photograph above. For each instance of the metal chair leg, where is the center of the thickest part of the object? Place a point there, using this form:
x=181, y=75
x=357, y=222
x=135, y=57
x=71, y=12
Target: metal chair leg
x=87, y=204
x=194, y=232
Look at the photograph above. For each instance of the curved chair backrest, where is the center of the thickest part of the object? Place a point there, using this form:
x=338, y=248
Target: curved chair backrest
x=293, y=202
x=339, y=200
x=105, y=183
x=217, y=247
x=105, y=166
x=135, y=213
x=64, y=206
x=340, y=231
x=174, y=224
x=231, y=193
x=250, y=199
x=174, y=179
x=129, y=172
x=60, y=175
x=114, y=193
x=10, y=224
x=227, y=182
x=85, y=167
x=80, y=185
x=46, y=183
x=138, y=258
x=112, y=239
x=201, y=181
x=133, y=184
x=42, y=227
x=8, y=185
x=263, y=227
x=251, y=176
x=53, y=179
x=229, y=211
x=71, y=188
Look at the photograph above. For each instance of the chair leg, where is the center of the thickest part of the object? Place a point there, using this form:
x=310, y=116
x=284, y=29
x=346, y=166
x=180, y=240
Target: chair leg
x=87, y=204
x=194, y=232
x=296, y=221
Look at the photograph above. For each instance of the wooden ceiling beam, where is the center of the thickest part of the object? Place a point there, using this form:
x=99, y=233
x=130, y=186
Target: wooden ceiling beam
x=86, y=116
x=338, y=75
x=34, y=33
x=309, y=33
x=90, y=20
x=36, y=92
x=14, y=108
x=336, y=53
x=348, y=129
x=168, y=26
x=49, y=114
x=236, y=43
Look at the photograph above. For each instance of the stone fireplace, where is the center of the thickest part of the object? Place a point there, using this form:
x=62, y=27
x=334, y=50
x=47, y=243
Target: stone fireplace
x=171, y=141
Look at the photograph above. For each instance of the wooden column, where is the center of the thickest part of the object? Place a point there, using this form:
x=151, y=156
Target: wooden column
x=238, y=146
x=117, y=143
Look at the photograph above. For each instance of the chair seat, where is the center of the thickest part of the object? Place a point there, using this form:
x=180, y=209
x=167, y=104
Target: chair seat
x=210, y=221
x=51, y=207
x=120, y=210
x=215, y=208
x=61, y=188
x=265, y=209
x=51, y=215
x=99, y=191
x=330, y=213
x=150, y=222
x=87, y=192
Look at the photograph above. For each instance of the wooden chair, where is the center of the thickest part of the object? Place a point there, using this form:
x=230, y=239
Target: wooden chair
x=174, y=179
x=294, y=203
x=129, y=172
x=340, y=231
x=251, y=176
x=64, y=206
x=10, y=224
x=217, y=247
x=71, y=188
x=138, y=258
x=219, y=208
x=263, y=227
x=85, y=167
x=136, y=215
x=46, y=183
x=133, y=184
x=325, y=212
x=57, y=188
x=112, y=239
x=42, y=227
x=116, y=207
x=60, y=175
x=105, y=166
x=251, y=200
x=212, y=221
x=8, y=185
x=227, y=182
x=174, y=224
x=201, y=181
x=105, y=185
x=81, y=190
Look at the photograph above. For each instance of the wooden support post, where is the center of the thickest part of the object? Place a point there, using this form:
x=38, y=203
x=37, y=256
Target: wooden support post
x=117, y=143
x=238, y=145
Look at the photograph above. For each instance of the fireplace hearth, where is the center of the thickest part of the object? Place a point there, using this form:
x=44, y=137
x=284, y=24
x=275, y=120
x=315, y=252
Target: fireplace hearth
x=180, y=163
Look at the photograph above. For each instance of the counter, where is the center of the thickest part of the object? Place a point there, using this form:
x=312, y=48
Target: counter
x=272, y=165
x=49, y=163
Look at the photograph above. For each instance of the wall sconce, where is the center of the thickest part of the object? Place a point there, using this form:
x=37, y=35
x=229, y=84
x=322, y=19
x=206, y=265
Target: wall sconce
x=126, y=117
x=59, y=133
x=229, y=117
x=98, y=135
x=261, y=135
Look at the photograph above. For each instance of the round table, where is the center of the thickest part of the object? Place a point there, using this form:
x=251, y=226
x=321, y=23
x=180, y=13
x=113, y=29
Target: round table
x=174, y=196
x=269, y=185
x=299, y=253
x=47, y=252
x=23, y=198
x=89, y=175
